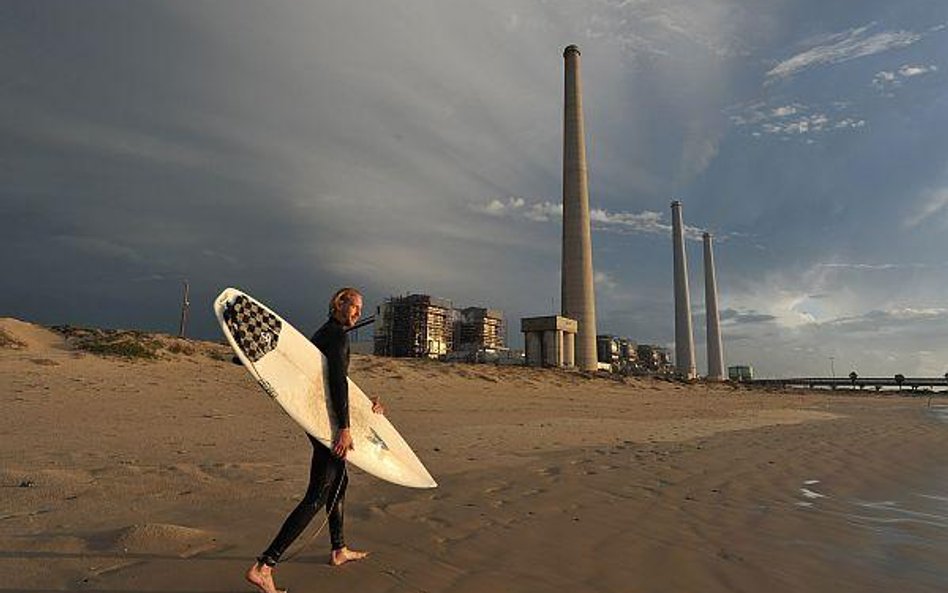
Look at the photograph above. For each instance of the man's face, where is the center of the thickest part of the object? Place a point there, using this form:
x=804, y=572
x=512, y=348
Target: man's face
x=350, y=312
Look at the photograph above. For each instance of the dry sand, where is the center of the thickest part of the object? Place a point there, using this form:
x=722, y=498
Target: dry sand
x=172, y=474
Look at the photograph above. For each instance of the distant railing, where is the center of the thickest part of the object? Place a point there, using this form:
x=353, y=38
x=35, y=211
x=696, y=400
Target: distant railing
x=911, y=383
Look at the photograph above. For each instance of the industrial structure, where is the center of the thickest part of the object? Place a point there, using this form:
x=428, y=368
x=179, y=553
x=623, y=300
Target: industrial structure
x=620, y=354
x=480, y=328
x=423, y=326
x=417, y=325
x=740, y=373
x=713, y=321
x=549, y=341
x=577, y=291
x=653, y=360
x=684, y=338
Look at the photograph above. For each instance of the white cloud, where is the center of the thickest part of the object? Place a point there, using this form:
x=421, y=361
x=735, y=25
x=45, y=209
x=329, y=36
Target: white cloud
x=544, y=211
x=916, y=70
x=793, y=120
x=646, y=222
x=869, y=267
x=497, y=207
x=850, y=123
x=888, y=79
x=883, y=79
x=843, y=47
x=791, y=335
x=784, y=111
x=804, y=125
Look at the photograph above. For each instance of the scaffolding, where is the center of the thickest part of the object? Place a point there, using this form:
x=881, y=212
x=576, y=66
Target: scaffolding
x=480, y=328
x=416, y=325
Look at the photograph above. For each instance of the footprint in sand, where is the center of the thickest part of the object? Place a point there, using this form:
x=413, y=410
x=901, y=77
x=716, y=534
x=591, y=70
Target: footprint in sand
x=548, y=472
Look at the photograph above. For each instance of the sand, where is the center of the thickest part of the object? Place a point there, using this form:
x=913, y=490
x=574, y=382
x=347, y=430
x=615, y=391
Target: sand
x=172, y=473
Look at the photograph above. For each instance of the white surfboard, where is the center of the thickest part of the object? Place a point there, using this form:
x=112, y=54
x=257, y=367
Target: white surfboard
x=292, y=371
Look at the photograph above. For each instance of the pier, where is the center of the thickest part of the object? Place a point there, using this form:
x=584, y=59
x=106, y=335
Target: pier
x=877, y=383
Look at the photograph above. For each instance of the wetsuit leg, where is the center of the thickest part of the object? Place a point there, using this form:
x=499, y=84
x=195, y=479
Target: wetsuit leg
x=325, y=471
x=336, y=511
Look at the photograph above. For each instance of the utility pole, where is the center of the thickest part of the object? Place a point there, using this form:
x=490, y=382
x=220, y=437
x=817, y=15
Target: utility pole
x=185, y=305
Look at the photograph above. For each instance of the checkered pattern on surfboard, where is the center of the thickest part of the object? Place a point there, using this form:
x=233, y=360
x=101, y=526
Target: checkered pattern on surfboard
x=255, y=329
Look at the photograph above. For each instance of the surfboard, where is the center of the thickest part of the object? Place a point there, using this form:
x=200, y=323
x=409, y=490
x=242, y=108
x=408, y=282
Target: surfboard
x=292, y=371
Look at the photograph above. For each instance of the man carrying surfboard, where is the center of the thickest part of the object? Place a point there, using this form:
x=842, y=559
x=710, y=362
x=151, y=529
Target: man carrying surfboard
x=328, y=478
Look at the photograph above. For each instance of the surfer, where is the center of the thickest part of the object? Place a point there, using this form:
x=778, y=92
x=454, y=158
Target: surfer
x=328, y=478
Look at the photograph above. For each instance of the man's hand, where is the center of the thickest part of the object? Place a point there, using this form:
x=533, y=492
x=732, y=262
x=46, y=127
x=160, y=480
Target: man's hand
x=343, y=443
x=377, y=406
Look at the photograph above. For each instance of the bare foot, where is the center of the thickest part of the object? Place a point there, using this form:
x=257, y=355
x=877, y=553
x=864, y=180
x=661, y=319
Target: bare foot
x=261, y=576
x=343, y=555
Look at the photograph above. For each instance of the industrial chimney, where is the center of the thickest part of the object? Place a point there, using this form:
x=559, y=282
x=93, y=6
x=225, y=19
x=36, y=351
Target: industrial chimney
x=715, y=351
x=578, y=296
x=684, y=339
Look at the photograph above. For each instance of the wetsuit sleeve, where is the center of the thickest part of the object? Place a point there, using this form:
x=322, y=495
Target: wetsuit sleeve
x=338, y=385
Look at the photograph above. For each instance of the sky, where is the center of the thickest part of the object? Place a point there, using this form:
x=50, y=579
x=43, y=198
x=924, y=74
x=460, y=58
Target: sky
x=289, y=148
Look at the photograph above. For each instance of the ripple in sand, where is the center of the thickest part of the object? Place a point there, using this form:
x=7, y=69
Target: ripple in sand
x=162, y=539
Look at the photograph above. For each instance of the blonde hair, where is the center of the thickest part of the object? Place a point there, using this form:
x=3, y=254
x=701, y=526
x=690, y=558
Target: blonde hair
x=341, y=297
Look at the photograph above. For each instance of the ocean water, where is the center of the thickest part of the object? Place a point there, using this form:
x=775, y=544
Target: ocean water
x=903, y=537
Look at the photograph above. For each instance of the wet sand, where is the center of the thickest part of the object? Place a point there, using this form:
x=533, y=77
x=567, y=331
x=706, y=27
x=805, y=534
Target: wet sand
x=172, y=474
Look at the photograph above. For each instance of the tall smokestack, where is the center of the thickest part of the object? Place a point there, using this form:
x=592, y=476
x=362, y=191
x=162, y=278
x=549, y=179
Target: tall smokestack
x=684, y=339
x=715, y=351
x=578, y=296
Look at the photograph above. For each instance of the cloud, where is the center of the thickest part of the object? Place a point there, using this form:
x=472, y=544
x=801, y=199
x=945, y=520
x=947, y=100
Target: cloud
x=793, y=120
x=891, y=320
x=514, y=207
x=745, y=317
x=498, y=207
x=870, y=267
x=910, y=70
x=665, y=28
x=114, y=141
x=784, y=111
x=816, y=122
x=544, y=211
x=646, y=222
x=877, y=341
x=843, y=47
x=888, y=79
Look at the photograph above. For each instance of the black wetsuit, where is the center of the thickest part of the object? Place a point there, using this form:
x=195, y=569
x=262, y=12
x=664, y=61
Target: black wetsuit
x=328, y=478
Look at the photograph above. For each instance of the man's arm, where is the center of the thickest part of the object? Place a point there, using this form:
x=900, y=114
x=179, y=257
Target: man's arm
x=338, y=385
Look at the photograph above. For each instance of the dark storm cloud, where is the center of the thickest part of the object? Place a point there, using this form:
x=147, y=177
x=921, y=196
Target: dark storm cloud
x=290, y=147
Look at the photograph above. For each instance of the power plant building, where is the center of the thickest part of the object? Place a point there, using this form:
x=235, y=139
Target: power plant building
x=423, y=326
x=619, y=353
x=417, y=326
x=653, y=359
x=549, y=341
x=480, y=328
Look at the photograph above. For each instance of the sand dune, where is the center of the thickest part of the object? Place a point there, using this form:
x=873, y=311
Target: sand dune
x=168, y=469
